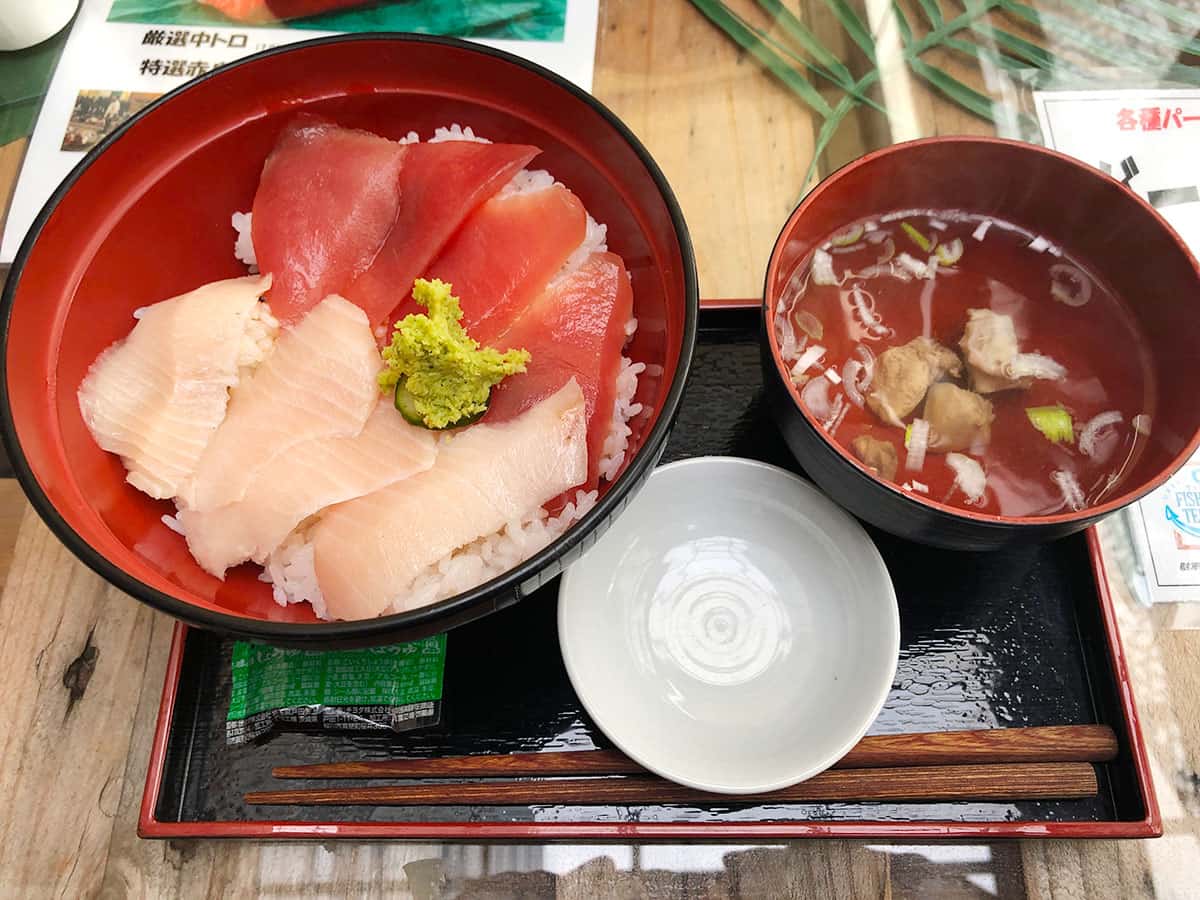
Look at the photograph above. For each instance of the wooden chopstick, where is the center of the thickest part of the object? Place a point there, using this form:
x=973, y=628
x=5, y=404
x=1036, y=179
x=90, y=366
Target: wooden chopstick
x=916, y=784
x=1057, y=743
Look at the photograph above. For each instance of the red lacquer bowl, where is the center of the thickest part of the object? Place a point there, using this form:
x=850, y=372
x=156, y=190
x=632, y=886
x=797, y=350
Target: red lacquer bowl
x=145, y=216
x=1100, y=220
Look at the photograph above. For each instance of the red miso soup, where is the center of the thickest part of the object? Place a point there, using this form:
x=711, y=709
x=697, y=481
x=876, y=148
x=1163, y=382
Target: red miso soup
x=970, y=361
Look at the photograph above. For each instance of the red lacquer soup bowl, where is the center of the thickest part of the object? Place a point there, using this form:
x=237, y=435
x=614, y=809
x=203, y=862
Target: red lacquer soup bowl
x=146, y=216
x=1097, y=220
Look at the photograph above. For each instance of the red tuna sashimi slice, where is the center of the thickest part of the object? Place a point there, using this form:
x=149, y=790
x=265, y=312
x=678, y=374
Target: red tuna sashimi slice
x=325, y=205
x=440, y=185
x=575, y=329
x=505, y=254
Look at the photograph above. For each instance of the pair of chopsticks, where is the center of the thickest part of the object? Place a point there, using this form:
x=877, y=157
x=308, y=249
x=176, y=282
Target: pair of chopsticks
x=1053, y=762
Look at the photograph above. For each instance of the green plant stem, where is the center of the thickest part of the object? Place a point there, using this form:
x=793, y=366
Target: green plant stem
x=803, y=36
x=855, y=27
x=830, y=125
x=744, y=36
x=996, y=58
x=1105, y=52
x=1136, y=27
x=799, y=32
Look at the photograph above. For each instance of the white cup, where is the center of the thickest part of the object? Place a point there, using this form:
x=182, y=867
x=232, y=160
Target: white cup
x=24, y=23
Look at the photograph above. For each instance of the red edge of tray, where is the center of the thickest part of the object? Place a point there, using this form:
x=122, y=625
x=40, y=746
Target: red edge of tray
x=1147, y=827
x=732, y=303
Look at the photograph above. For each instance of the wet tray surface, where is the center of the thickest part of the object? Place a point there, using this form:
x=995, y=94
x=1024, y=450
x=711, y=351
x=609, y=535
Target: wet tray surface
x=1016, y=638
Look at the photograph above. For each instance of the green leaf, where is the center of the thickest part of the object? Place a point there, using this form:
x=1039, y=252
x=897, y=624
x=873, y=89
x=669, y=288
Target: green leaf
x=1022, y=48
x=24, y=76
x=932, y=11
x=1000, y=60
x=1130, y=25
x=802, y=35
x=843, y=78
x=906, y=35
x=825, y=135
x=854, y=26
x=1105, y=52
x=937, y=36
x=965, y=96
x=970, y=33
x=745, y=37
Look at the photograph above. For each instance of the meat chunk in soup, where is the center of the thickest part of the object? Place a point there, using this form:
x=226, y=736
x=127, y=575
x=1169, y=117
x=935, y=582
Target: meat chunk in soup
x=878, y=455
x=903, y=375
x=994, y=358
x=958, y=419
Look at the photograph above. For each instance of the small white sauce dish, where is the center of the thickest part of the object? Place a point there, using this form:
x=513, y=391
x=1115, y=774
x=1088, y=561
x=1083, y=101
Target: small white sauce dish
x=734, y=631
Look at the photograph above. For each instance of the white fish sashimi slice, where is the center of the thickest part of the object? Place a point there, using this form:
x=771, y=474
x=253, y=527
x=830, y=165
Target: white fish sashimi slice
x=319, y=382
x=302, y=482
x=157, y=397
x=367, y=552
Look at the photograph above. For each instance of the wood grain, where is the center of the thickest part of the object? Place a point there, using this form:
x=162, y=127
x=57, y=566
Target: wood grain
x=1057, y=743
x=11, y=155
x=918, y=784
x=733, y=142
x=74, y=657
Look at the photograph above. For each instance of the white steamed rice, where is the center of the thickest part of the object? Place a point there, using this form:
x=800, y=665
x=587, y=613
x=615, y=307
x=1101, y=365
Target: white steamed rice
x=528, y=181
x=258, y=340
x=493, y=555
x=290, y=572
x=243, y=247
x=456, y=133
x=289, y=569
x=624, y=408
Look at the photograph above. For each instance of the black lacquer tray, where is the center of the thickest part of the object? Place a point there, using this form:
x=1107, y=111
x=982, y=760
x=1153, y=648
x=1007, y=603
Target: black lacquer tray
x=1017, y=638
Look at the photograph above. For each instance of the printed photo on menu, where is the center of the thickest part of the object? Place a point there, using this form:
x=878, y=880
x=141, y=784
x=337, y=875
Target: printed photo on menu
x=96, y=113
x=519, y=20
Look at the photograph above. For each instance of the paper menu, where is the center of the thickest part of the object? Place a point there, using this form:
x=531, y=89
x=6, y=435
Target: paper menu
x=1150, y=139
x=1169, y=518
x=110, y=69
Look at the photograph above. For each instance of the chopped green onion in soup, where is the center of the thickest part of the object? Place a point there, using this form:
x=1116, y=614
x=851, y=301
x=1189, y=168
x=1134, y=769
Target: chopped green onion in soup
x=949, y=253
x=1053, y=422
x=851, y=235
x=809, y=324
x=916, y=440
x=917, y=238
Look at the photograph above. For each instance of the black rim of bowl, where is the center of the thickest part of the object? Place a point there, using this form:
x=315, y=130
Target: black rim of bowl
x=445, y=610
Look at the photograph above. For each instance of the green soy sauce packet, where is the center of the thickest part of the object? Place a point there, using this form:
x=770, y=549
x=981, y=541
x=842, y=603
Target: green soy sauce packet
x=397, y=687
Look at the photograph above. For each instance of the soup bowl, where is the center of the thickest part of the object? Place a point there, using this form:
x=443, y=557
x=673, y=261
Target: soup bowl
x=146, y=216
x=1092, y=217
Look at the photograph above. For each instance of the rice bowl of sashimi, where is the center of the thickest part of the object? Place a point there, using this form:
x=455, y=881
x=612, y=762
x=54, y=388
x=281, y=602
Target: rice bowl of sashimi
x=350, y=341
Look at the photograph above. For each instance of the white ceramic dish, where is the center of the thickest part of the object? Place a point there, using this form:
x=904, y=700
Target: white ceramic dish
x=734, y=630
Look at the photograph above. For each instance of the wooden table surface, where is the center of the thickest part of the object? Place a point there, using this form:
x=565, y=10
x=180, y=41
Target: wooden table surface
x=81, y=664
